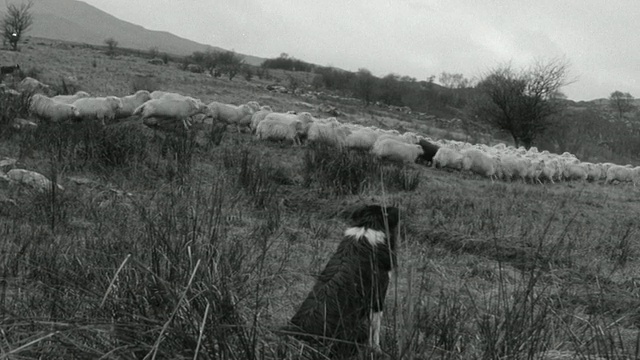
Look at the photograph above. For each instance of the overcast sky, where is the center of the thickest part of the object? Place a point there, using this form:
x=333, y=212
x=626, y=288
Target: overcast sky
x=418, y=38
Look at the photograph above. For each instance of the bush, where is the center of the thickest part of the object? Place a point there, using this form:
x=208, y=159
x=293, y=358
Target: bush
x=178, y=148
x=12, y=107
x=348, y=172
x=343, y=171
x=397, y=177
x=256, y=175
x=88, y=145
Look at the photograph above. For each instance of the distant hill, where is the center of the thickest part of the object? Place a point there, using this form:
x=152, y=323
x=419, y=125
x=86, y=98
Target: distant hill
x=77, y=21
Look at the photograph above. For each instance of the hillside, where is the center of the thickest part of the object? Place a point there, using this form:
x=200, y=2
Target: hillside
x=160, y=245
x=76, y=21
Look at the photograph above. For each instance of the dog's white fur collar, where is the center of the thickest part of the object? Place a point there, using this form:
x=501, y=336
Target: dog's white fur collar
x=374, y=237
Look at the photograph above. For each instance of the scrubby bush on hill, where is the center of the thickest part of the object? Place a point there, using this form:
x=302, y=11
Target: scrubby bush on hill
x=342, y=171
x=11, y=107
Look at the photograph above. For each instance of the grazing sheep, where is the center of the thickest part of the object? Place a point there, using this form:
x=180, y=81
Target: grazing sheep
x=550, y=170
x=32, y=85
x=429, y=150
x=447, y=158
x=160, y=94
x=47, y=109
x=259, y=116
x=396, y=150
x=363, y=138
x=621, y=174
x=575, y=172
x=280, y=126
x=131, y=102
x=344, y=308
x=478, y=162
x=594, y=171
x=328, y=131
x=535, y=170
x=70, y=99
x=163, y=113
x=514, y=166
x=98, y=108
x=240, y=115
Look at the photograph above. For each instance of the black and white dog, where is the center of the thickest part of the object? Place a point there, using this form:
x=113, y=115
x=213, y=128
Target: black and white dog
x=344, y=308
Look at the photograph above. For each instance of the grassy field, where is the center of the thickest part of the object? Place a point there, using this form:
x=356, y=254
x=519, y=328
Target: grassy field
x=203, y=252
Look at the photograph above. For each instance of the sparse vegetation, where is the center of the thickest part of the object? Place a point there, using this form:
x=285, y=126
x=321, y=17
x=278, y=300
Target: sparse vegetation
x=111, y=44
x=12, y=107
x=160, y=247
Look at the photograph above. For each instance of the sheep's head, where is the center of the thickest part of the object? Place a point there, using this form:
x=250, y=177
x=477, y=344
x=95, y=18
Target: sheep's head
x=253, y=105
x=81, y=94
x=246, y=109
x=143, y=95
x=75, y=111
x=115, y=102
x=202, y=108
x=266, y=108
x=305, y=117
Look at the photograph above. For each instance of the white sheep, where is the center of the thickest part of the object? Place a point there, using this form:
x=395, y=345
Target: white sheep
x=621, y=174
x=165, y=94
x=131, y=102
x=259, y=116
x=447, y=158
x=281, y=126
x=328, y=131
x=238, y=115
x=70, y=99
x=594, y=171
x=513, y=166
x=575, y=172
x=32, y=85
x=48, y=109
x=479, y=162
x=362, y=138
x=98, y=108
x=551, y=169
x=254, y=105
x=535, y=170
x=165, y=111
x=397, y=150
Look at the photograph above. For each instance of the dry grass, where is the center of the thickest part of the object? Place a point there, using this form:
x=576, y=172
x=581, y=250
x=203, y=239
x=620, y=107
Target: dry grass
x=202, y=252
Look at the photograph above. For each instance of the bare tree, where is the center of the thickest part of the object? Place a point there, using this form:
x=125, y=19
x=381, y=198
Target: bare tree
x=112, y=44
x=621, y=102
x=16, y=22
x=523, y=102
x=154, y=52
x=454, y=81
x=230, y=63
x=364, y=85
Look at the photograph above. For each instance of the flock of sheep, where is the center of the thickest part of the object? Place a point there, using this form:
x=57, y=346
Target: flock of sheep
x=496, y=162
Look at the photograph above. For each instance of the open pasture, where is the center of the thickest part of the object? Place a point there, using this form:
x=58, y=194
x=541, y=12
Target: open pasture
x=202, y=253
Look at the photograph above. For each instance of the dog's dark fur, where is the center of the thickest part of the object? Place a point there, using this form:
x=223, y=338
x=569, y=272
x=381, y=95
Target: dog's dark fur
x=353, y=285
x=8, y=69
x=429, y=150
